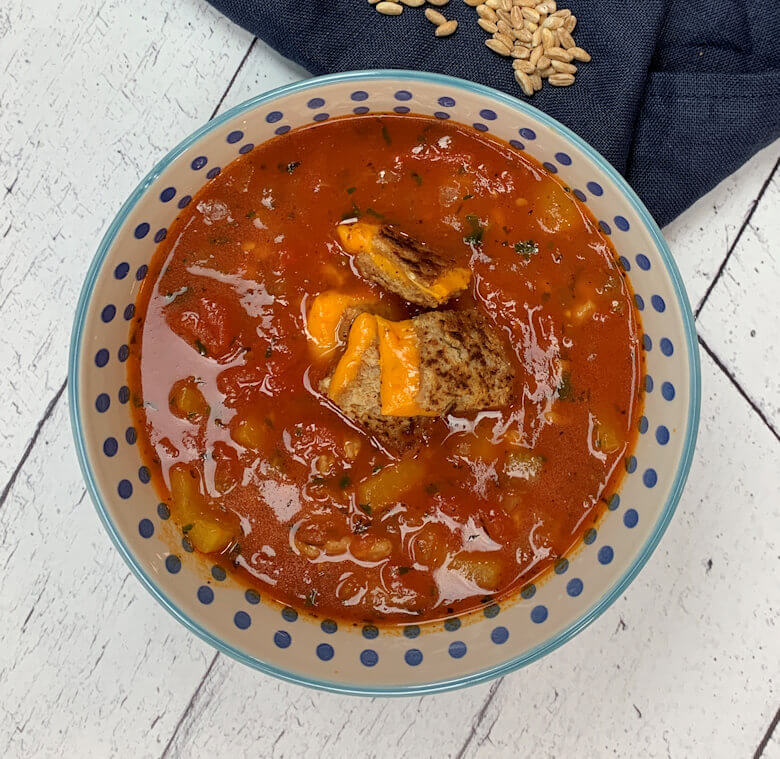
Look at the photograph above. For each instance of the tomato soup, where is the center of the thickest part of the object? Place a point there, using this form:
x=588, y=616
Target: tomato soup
x=267, y=476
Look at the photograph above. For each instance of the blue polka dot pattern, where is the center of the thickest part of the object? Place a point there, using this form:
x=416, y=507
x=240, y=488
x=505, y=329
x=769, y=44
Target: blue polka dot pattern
x=141, y=272
x=413, y=657
x=401, y=109
x=129, y=312
x=647, y=343
x=488, y=115
x=123, y=353
x=666, y=346
x=630, y=518
x=235, y=136
x=173, y=564
x=274, y=116
x=163, y=511
x=205, y=595
x=662, y=435
x=283, y=129
x=561, y=566
x=631, y=464
x=527, y=134
x=141, y=231
x=580, y=195
x=595, y=189
x=102, y=402
x=658, y=303
x=622, y=223
x=411, y=631
x=643, y=424
x=551, y=167
x=605, y=555
x=361, y=109
x=124, y=488
x=648, y=383
x=144, y=475
x=359, y=95
x=213, y=172
x=123, y=396
x=625, y=265
x=667, y=391
x=248, y=148
x=563, y=158
x=517, y=144
x=639, y=300
x=187, y=545
x=480, y=127
x=446, y=102
x=218, y=573
x=491, y=611
x=199, y=162
x=539, y=614
x=101, y=358
x=145, y=528
x=441, y=115
x=369, y=657
x=121, y=270
x=160, y=234
x=252, y=596
x=321, y=117
x=590, y=536
x=457, y=649
x=528, y=591
x=289, y=614
x=328, y=626
x=643, y=262
x=452, y=624
x=242, y=620
x=130, y=435
x=108, y=313
x=614, y=502
x=370, y=632
x=184, y=201
x=110, y=446
x=325, y=651
x=574, y=587
x=605, y=228
x=499, y=635
x=403, y=95
x=650, y=478
x=315, y=103
x=282, y=639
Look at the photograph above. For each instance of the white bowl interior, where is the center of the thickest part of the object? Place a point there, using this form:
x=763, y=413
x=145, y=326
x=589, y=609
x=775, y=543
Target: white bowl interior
x=349, y=657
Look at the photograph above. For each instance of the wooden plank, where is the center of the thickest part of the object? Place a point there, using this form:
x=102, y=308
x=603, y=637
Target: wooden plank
x=701, y=236
x=739, y=321
x=685, y=663
x=90, y=97
x=91, y=666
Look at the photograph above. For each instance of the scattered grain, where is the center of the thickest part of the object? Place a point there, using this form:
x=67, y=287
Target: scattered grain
x=564, y=68
x=504, y=39
x=525, y=82
x=488, y=26
x=578, y=54
x=536, y=54
x=435, y=17
x=483, y=11
x=561, y=80
x=566, y=40
x=570, y=23
x=543, y=62
x=446, y=29
x=498, y=47
x=413, y=3
x=558, y=54
x=389, y=9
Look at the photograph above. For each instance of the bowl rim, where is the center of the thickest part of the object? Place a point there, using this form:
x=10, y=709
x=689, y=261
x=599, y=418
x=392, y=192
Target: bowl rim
x=437, y=686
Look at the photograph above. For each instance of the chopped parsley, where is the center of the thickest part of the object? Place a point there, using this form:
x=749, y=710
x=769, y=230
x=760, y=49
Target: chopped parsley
x=292, y=166
x=477, y=230
x=526, y=249
x=202, y=349
x=345, y=482
x=251, y=214
x=468, y=197
x=417, y=178
x=365, y=507
x=377, y=468
x=187, y=527
x=385, y=134
x=350, y=190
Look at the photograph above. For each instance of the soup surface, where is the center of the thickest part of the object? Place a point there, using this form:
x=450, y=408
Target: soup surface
x=264, y=473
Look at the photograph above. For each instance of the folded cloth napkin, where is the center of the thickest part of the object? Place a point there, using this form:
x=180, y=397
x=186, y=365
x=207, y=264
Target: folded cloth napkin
x=678, y=94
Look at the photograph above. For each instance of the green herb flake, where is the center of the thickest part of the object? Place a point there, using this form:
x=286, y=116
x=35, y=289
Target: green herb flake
x=431, y=488
x=269, y=352
x=468, y=197
x=377, y=468
x=187, y=527
x=417, y=178
x=251, y=214
x=202, y=349
x=386, y=134
x=350, y=190
x=345, y=481
x=292, y=166
x=474, y=237
x=219, y=240
x=269, y=422
x=365, y=507
x=565, y=392
x=526, y=249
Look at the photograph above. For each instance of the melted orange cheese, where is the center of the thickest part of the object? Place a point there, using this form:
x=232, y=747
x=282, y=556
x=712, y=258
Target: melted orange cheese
x=399, y=365
x=362, y=334
x=324, y=318
x=360, y=237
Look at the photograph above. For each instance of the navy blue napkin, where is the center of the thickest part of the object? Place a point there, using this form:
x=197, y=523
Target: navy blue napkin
x=679, y=93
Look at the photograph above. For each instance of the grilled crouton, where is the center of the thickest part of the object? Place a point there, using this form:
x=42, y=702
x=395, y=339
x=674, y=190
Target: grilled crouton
x=394, y=376
x=403, y=265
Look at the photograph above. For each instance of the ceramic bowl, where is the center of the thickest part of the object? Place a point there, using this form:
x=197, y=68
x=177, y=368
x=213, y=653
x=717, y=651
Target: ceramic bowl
x=325, y=653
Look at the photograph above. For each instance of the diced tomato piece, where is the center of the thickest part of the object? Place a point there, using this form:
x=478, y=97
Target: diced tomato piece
x=209, y=325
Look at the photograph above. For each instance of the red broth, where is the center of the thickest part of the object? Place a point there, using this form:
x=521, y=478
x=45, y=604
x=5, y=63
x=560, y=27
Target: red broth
x=281, y=489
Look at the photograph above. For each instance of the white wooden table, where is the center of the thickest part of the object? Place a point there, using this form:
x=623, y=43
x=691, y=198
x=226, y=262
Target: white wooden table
x=92, y=93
